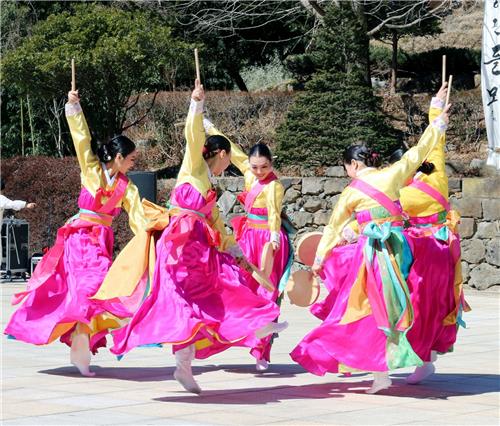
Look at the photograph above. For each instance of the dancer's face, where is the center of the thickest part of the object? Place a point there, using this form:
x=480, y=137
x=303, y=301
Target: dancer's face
x=122, y=164
x=220, y=162
x=260, y=167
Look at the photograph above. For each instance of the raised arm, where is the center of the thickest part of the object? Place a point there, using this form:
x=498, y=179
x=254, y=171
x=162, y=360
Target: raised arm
x=79, y=132
x=238, y=157
x=437, y=103
x=194, y=133
x=405, y=168
x=437, y=155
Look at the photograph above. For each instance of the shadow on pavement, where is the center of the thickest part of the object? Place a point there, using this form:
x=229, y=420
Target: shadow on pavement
x=157, y=374
x=440, y=386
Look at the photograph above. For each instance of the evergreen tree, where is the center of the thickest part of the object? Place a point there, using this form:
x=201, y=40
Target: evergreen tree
x=338, y=107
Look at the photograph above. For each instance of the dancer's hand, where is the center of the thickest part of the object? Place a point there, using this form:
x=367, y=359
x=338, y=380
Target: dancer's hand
x=243, y=264
x=275, y=246
x=198, y=94
x=30, y=205
x=443, y=91
x=445, y=115
x=73, y=97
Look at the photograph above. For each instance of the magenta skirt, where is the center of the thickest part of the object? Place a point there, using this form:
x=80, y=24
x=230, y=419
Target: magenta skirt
x=54, y=306
x=252, y=241
x=349, y=337
x=198, y=296
x=432, y=285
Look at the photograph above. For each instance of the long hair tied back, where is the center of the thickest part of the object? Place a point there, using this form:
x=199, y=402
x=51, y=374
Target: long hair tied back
x=362, y=153
x=261, y=150
x=118, y=144
x=215, y=144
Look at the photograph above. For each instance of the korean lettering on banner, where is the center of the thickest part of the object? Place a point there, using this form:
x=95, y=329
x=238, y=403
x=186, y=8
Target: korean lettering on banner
x=490, y=80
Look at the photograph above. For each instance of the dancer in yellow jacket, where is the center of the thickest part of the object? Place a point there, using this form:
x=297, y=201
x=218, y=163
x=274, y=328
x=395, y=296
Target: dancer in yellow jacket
x=198, y=300
x=435, y=278
x=261, y=225
x=372, y=312
x=58, y=300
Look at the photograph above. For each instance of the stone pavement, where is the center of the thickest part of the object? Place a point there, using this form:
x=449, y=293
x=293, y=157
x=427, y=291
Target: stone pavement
x=39, y=387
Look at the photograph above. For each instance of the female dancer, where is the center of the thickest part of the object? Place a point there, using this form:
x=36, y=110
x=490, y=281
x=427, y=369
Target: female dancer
x=198, y=300
x=435, y=279
x=263, y=199
x=371, y=314
x=57, y=303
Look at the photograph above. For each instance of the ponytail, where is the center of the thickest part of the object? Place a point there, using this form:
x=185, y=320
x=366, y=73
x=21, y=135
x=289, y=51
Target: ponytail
x=118, y=144
x=363, y=154
x=214, y=144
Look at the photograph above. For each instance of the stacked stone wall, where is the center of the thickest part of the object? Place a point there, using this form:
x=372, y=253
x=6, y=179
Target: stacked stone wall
x=309, y=202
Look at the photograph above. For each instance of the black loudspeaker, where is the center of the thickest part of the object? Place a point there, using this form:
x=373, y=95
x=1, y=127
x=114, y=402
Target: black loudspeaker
x=146, y=183
x=15, y=245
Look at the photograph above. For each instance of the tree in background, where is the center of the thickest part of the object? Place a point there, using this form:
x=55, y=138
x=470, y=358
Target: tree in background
x=338, y=107
x=427, y=25
x=235, y=34
x=119, y=55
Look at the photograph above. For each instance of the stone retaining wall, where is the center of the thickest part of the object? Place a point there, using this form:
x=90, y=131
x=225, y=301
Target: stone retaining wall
x=309, y=202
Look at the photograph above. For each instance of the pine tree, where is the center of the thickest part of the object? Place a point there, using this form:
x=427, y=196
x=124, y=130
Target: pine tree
x=337, y=108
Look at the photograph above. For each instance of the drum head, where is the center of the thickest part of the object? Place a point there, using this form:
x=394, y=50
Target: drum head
x=306, y=247
x=302, y=288
x=263, y=281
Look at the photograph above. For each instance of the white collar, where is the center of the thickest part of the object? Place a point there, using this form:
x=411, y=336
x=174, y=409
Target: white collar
x=365, y=170
x=109, y=180
x=211, y=176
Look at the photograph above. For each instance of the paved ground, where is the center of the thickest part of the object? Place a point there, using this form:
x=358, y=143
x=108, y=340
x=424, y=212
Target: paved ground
x=39, y=387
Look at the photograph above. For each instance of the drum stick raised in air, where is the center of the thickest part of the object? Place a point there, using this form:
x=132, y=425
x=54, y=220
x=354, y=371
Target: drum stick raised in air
x=449, y=91
x=197, y=63
x=73, y=75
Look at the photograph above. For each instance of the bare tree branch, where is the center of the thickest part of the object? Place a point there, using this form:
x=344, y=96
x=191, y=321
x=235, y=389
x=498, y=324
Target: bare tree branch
x=144, y=115
x=313, y=7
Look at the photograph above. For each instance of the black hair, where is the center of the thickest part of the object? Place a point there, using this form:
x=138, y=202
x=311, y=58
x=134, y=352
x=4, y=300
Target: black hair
x=426, y=167
x=2, y=184
x=362, y=153
x=396, y=155
x=117, y=145
x=260, y=150
x=215, y=144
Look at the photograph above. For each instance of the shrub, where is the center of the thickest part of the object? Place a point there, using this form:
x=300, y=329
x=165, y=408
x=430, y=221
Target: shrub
x=54, y=185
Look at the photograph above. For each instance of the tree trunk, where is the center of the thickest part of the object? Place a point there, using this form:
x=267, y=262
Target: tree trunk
x=59, y=130
x=394, y=62
x=30, y=116
x=360, y=12
x=22, y=128
x=238, y=80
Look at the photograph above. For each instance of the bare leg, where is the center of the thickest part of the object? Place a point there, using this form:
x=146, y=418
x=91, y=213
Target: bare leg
x=272, y=327
x=381, y=381
x=183, y=373
x=80, y=351
x=421, y=373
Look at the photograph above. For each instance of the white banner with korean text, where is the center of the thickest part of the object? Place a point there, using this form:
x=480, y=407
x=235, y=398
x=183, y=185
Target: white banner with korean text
x=490, y=79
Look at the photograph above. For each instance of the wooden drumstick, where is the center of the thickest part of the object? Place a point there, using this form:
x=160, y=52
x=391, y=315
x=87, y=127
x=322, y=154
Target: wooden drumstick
x=443, y=78
x=449, y=91
x=73, y=75
x=197, y=63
